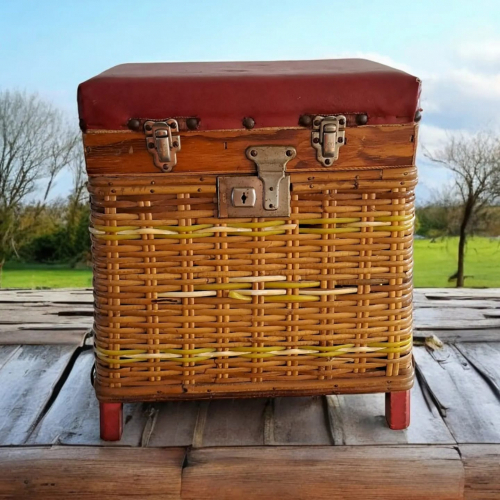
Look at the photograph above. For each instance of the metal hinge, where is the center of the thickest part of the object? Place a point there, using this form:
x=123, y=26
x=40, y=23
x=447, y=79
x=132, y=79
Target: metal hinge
x=162, y=143
x=328, y=135
x=268, y=194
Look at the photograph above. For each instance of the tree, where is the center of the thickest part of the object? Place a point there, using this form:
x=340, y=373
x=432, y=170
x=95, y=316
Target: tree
x=474, y=161
x=35, y=145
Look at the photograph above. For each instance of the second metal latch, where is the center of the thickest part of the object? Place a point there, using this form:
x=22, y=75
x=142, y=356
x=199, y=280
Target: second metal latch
x=162, y=143
x=327, y=137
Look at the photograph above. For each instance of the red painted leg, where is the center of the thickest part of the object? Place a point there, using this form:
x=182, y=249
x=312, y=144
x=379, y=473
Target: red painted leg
x=111, y=421
x=397, y=410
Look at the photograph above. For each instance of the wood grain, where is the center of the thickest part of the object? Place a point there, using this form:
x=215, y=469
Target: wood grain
x=224, y=150
x=86, y=472
x=361, y=472
x=27, y=381
x=482, y=471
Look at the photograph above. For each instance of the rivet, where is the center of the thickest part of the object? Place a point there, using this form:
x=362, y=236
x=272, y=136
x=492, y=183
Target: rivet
x=362, y=119
x=289, y=152
x=253, y=152
x=317, y=123
x=134, y=124
x=342, y=121
x=175, y=144
x=327, y=161
x=248, y=122
x=340, y=139
x=151, y=145
x=418, y=115
x=316, y=140
x=192, y=123
x=88, y=149
x=149, y=127
x=305, y=120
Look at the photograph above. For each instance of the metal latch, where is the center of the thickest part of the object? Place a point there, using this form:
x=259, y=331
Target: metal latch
x=162, y=143
x=328, y=135
x=268, y=194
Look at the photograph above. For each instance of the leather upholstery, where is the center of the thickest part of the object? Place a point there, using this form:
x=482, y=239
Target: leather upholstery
x=221, y=94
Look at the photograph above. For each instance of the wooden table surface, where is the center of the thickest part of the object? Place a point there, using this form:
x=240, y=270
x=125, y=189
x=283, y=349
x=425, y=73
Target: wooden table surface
x=335, y=447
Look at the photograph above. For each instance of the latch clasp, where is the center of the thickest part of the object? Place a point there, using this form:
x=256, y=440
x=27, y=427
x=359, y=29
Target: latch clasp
x=264, y=195
x=162, y=143
x=328, y=135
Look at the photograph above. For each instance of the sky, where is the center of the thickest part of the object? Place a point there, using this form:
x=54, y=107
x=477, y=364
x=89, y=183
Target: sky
x=453, y=46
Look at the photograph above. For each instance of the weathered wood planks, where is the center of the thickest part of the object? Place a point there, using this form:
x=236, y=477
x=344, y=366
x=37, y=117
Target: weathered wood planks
x=367, y=472
x=39, y=473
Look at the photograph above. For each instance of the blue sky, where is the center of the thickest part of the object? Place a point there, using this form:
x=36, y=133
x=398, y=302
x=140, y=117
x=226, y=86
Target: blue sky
x=454, y=46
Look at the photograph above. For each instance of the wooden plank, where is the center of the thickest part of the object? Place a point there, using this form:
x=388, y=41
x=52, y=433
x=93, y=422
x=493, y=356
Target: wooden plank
x=468, y=404
x=300, y=421
x=461, y=293
x=360, y=420
x=482, y=471
x=174, y=424
x=90, y=472
x=6, y=352
x=358, y=472
x=486, y=360
x=27, y=381
x=234, y=422
x=73, y=418
x=468, y=335
x=42, y=337
x=456, y=319
x=56, y=295
x=224, y=150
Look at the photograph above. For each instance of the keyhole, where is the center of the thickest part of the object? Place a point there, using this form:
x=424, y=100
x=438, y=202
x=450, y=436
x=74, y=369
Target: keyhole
x=244, y=198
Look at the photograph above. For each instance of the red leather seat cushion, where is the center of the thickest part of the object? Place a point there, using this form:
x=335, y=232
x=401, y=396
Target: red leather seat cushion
x=221, y=94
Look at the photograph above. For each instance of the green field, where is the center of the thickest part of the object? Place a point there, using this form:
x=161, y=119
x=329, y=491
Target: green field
x=434, y=263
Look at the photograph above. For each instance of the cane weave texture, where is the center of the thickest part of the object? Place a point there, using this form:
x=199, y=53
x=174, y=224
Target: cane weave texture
x=187, y=302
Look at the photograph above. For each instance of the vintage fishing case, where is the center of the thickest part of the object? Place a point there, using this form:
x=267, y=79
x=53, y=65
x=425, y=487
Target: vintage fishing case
x=252, y=230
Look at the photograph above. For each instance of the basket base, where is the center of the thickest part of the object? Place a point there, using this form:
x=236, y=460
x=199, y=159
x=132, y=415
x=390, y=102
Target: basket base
x=111, y=416
x=397, y=410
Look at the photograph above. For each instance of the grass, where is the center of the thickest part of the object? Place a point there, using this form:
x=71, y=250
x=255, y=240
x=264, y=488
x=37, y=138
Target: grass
x=15, y=275
x=434, y=263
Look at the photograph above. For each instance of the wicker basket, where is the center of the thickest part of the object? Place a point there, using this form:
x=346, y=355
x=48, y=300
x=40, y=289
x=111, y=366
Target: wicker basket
x=191, y=304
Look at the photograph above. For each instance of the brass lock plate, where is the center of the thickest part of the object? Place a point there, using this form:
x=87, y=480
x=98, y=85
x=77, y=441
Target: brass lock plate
x=264, y=195
x=327, y=137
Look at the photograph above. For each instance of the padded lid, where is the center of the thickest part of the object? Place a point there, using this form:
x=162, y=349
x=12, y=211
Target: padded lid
x=221, y=94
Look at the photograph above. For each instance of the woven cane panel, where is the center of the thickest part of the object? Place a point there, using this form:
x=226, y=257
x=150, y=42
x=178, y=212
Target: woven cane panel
x=186, y=301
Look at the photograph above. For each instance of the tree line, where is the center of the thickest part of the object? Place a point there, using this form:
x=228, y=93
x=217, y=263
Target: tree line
x=37, y=143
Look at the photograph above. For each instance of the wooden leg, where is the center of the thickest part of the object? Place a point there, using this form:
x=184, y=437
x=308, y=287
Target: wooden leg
x=111, y=421
x=397, y=410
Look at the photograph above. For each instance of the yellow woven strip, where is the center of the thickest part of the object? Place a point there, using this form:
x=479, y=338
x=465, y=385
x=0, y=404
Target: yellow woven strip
x=239, y=296
x=393, y=228
x=186, y=229
x=115, y=229
x=394, y=218
x=292, y=298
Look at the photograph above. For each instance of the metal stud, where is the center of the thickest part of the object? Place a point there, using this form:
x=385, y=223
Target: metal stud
x=418, y=115
x=134, y=124
x=192, y=123
x=362, y=119
x=305, y=120
x=248, y=123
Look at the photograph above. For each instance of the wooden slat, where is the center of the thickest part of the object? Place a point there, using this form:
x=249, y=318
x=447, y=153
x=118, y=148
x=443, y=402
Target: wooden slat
x=359, y=472
x=27, y=381
x=469, y=405
x=174, y=424
x=486, y=359
x=467, y=335
x=300, y=421
x=461, y=293
x=460, y=319
x=233, y=422
x=92, y=473
x=48, y=336
x=224, y=150
x=482, y=471
x=57, y=295
x=6, y=352
x=360, y=420
x=73, y=419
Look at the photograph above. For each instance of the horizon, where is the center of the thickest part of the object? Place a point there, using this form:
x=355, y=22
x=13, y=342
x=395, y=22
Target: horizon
x=455, y=52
